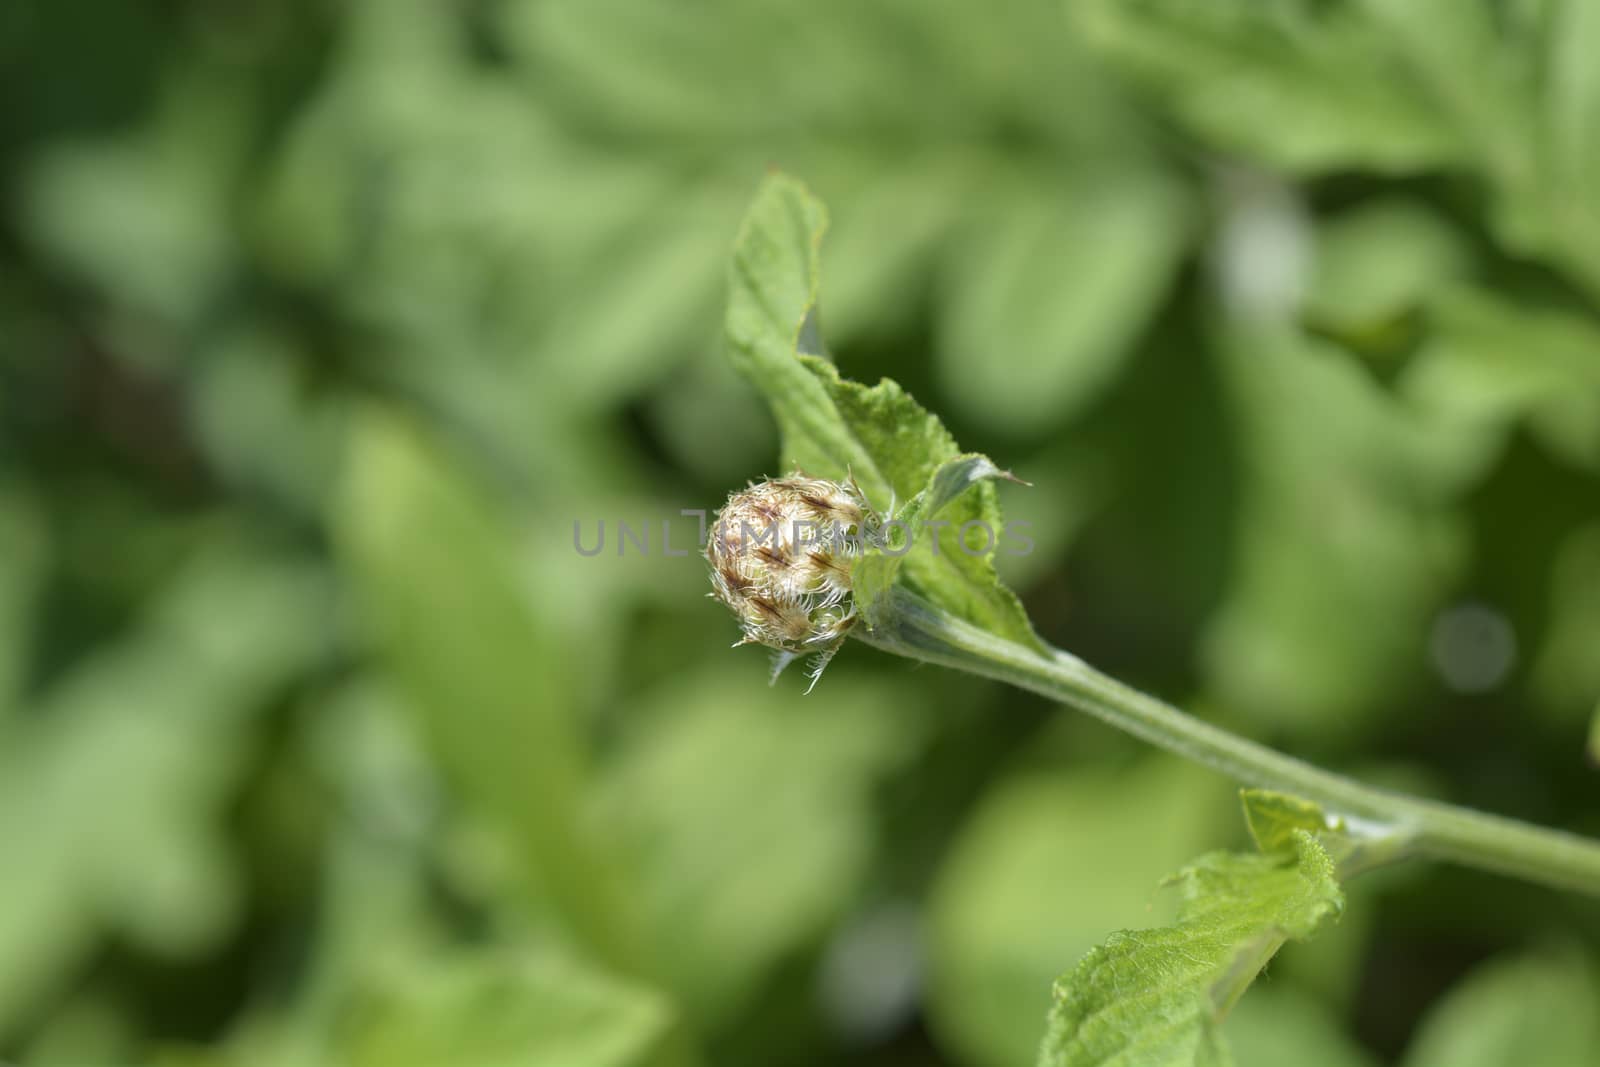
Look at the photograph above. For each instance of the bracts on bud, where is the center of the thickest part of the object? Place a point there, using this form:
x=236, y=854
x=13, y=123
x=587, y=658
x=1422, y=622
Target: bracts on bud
x=781, y=553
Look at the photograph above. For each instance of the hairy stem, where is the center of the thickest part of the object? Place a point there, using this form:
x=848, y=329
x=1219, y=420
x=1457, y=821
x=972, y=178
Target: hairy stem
x=907, y=625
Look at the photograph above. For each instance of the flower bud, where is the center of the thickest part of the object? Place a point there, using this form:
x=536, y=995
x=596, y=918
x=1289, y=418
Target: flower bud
x=780, y=554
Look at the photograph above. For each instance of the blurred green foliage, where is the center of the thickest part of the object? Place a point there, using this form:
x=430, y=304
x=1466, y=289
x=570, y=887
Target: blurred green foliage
x=322, y=322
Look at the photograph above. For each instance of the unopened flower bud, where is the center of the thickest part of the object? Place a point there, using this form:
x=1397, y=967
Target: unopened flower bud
x=780, y=554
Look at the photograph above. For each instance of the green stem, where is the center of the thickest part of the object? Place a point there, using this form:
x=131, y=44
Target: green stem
x=907, y=625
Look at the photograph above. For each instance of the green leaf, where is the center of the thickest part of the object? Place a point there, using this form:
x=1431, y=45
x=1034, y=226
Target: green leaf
x=1490, y=362
x=1051, y=859
x=433, y=571
x=160, y=720
x=1458, y=62
x=953, y=479
x=747, y=828
x=1519, y=93
x=259, y=426
x=507, y=1011
x=1537, y=1012
x=1156, y=998
x=1354, y=845
x=1570, y=121
x=830, y=71
x=1279, y=1024
x=1048, y=288
x=144, y=215
x=773, y=285
x=836, y=428
x=1379, y=260
x=1572, y=95
x=1281, y=648
x=89, y=1027
x=1522, y=97
x=873, y=575
x=1306, y=91
x=1273, y=818
x=526, y=198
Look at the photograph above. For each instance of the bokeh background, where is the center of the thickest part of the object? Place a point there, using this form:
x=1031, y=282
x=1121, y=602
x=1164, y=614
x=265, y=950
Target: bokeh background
x=323, y=323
